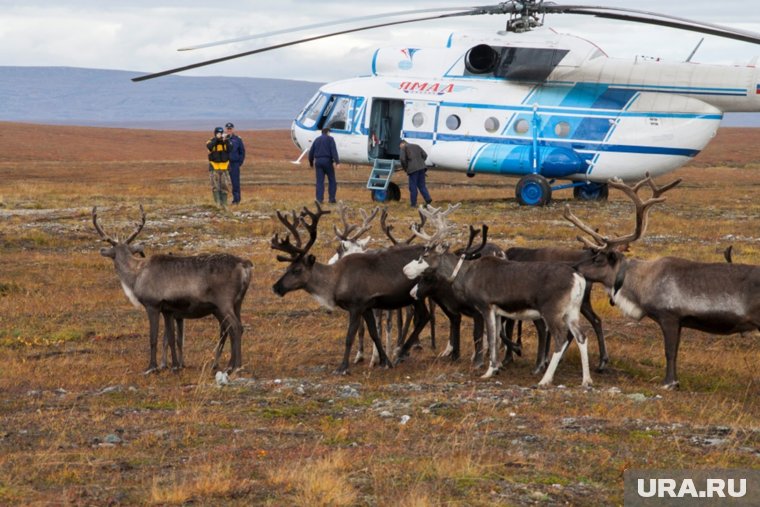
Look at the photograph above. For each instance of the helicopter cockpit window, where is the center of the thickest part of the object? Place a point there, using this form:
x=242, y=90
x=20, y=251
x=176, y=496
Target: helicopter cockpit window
x=314, y=111
x=338, y=111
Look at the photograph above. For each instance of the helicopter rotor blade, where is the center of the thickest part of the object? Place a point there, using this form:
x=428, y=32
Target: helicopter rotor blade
x=652, y=18
x=321, y=25
x=502, y=8
x=523, y=8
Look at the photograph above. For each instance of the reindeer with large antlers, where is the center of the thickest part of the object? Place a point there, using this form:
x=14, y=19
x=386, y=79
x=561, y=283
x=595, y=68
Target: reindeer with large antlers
x=717, y=298
x=517, y=290
x=181, y=287
x=356, y=283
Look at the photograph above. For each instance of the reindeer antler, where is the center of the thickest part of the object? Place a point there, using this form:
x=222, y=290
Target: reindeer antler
x=438, y=218
x=139, y=226
x=108, y=238
x=642, y=214
x=387, y=228
x=357, y=231
x=296, y=251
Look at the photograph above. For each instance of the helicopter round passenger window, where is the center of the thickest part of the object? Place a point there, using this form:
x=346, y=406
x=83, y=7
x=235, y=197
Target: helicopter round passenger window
x=453, y=122
x=491, y=124
x=522, y=126
x=418, y=119
x=562, y=129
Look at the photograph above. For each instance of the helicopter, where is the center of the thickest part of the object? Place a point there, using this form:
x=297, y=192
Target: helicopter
x=552, y=109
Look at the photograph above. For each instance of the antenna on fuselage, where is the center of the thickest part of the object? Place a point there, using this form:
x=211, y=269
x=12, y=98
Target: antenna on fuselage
x=695, y=49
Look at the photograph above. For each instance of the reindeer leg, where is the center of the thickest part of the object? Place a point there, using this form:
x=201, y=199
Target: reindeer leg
x=542, y=352
x=452, y=347
x=490, y=322
x=164, y=349
x=671, y=331
x=477, y=338
x=219, y=346
x=388, y=314
x=369, y=320
x=169, y=339
x=375, y=360
x=546, y=381
x=153, y=323
x=422, y=318
x=596, y=323
x=360, y=346
x=432, y=305
x=181, y=342
x=235, y=331
x=354, y=320
x=505, y=332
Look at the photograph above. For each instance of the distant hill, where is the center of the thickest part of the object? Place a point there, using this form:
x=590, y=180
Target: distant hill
x=92, y=97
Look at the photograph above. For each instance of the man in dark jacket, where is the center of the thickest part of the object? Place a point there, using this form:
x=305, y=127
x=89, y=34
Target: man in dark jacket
x=412, y=159
x=237, y=157
x=322, y=155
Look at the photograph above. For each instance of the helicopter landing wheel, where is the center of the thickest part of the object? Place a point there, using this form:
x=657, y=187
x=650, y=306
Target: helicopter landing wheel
x=533, y=190
x=591, y=192
x=392, y=193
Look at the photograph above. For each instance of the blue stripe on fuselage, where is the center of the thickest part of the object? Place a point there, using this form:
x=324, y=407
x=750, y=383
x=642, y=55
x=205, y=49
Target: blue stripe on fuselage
x=574, y=145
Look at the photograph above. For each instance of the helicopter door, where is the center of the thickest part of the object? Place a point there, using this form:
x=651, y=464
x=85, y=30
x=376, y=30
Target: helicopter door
x=385, y=123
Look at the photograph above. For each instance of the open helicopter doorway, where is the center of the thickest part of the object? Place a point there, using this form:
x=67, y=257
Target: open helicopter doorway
x=385, y=122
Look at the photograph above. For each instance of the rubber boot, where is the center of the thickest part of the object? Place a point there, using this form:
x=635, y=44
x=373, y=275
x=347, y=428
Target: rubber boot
x=223, y=199
x=217, y=199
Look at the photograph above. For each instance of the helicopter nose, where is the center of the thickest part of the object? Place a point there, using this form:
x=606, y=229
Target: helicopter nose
x=294, y=135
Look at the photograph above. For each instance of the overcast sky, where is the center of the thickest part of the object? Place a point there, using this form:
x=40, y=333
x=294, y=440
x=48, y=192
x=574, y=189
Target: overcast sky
x=143, y=35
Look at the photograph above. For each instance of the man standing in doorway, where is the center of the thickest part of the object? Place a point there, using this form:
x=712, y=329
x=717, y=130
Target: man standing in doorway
x=322, y=155
x=237, y=157
x=412, y=158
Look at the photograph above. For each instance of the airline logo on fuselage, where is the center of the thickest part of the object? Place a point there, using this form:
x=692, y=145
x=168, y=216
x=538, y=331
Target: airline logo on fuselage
x=427, y=88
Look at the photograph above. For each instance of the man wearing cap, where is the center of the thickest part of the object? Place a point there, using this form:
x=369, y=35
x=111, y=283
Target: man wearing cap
x=218, y=165
x=237, y=157
x=322, y=154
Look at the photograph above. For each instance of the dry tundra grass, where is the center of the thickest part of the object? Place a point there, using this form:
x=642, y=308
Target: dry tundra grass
x=81, y=425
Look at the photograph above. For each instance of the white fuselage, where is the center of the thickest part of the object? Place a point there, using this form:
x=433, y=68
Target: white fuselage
x=590, y=118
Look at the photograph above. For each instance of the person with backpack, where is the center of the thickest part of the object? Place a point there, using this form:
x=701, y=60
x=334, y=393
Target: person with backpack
x=218, y=165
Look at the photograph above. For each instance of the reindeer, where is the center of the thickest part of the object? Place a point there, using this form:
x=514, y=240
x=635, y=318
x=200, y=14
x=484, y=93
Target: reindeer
x=571, y=257
x=676, y=293
x=356, y=283
x=350, y=242
x=518, y=290
x=403, y=322
x=453, y=306
x=181, y=287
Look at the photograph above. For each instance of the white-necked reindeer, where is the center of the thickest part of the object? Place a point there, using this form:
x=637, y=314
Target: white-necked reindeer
x=517, y=290
x=181, y=287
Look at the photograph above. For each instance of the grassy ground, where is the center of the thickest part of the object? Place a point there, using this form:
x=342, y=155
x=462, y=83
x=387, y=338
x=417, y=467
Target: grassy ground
x=80, y=424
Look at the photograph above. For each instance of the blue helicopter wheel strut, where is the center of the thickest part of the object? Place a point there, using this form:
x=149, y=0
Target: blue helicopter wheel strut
x=533, y=190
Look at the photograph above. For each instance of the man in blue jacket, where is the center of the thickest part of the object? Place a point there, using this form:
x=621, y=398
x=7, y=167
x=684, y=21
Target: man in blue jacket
x=322, y=155
x=237, y=157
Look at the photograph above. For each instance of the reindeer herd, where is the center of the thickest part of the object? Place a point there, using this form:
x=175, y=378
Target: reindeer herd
x=494, y=287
